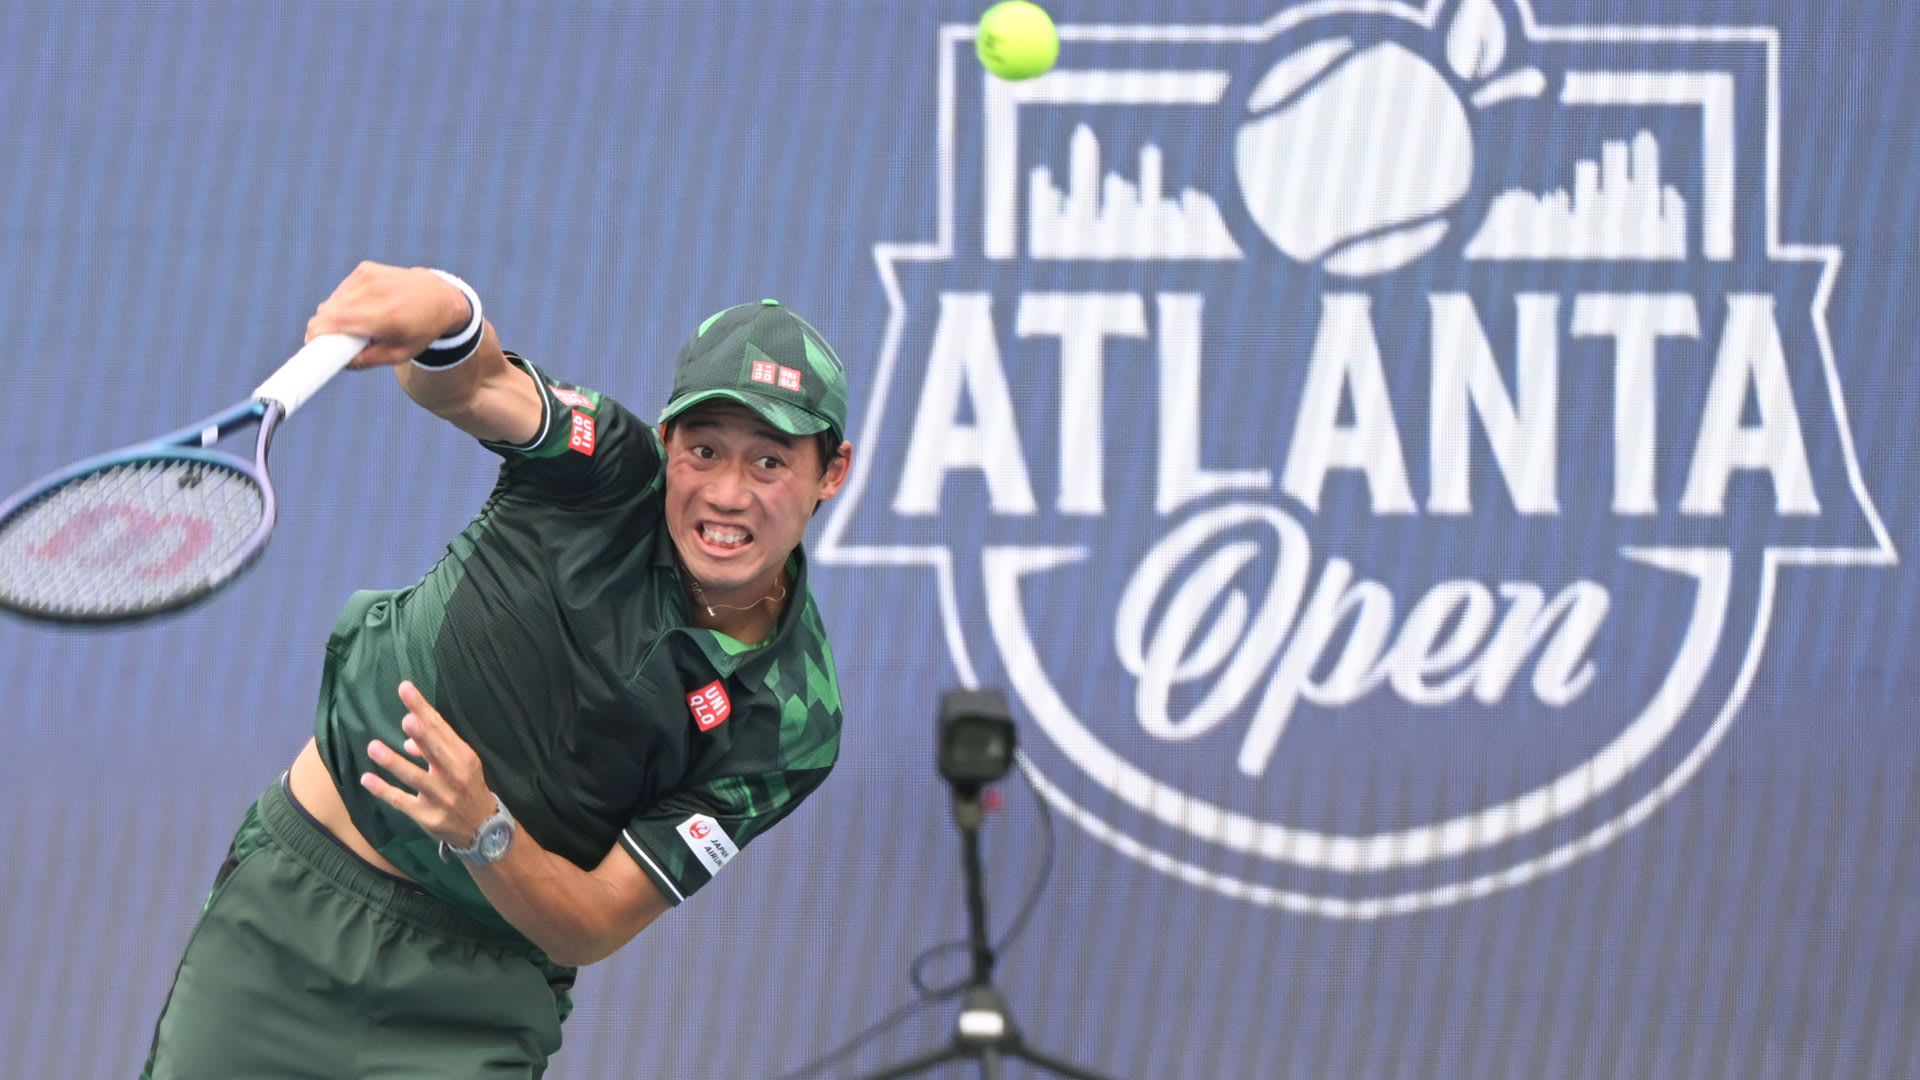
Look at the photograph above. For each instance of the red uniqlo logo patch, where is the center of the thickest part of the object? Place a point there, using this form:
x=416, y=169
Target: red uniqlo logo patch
x=764, y=371
x=571, y=397
x=582, y=437
x=710, y=705
x=789, y=379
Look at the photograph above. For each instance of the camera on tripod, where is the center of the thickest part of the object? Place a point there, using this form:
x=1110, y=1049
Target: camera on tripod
x=974, y=746
x=975, y=739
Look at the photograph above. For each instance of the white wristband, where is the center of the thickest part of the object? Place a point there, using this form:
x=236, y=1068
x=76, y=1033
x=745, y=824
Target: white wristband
x=454, y=349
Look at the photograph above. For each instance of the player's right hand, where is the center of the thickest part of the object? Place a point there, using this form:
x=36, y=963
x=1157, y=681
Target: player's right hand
x=400, y=310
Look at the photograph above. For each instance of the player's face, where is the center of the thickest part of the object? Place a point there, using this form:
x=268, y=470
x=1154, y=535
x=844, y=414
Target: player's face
x=739, y=493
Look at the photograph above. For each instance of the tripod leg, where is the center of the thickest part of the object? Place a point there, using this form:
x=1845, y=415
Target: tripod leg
x=1053, y=1064
x=921, y=1064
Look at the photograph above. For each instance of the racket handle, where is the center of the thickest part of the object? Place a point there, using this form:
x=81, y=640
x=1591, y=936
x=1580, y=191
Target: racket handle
x=302, y=376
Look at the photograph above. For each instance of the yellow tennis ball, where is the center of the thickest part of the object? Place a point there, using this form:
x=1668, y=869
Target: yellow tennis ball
x=1017, y=40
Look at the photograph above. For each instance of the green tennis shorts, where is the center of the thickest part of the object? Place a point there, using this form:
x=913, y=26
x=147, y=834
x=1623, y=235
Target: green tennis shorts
x=308, y=962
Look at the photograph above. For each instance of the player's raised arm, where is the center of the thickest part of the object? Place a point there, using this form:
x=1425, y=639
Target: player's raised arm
x=428, y=327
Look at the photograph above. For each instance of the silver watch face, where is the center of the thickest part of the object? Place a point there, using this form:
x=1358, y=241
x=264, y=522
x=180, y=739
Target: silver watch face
x=493, y=840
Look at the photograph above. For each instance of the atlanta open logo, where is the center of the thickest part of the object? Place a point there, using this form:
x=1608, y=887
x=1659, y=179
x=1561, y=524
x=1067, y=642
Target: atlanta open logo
x=1368, y=441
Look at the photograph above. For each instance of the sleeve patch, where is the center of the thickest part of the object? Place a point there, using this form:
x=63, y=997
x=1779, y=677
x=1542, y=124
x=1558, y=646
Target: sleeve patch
x=708, y=841
x=573, y=398
x=582, y=437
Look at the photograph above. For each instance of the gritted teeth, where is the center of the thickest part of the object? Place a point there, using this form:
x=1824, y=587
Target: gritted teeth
x=724, y=535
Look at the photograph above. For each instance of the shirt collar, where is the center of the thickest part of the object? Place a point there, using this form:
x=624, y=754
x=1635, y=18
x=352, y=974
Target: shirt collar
x=725, y=655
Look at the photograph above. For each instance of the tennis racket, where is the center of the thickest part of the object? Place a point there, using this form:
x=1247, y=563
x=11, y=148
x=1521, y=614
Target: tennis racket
x=158, y=525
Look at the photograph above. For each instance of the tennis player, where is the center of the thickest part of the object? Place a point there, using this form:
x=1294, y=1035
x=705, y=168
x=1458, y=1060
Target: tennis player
x=613, y=680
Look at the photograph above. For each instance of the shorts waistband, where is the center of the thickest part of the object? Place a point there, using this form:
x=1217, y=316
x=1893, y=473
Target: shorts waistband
x=304, y=839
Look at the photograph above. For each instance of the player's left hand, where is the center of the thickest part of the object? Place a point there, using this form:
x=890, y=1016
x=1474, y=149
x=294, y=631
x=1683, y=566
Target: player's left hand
x=445, y=794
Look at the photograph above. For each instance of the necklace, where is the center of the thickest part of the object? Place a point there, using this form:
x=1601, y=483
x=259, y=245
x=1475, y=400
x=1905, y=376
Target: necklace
x=699, y=594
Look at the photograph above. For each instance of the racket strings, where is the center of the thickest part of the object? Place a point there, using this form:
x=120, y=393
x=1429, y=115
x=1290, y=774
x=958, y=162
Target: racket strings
x=137, y=536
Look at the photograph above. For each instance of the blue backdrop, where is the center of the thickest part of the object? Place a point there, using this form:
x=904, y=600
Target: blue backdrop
x=1430, y=476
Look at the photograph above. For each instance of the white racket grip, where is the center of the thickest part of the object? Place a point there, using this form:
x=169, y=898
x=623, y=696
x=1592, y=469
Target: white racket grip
x=309, y=369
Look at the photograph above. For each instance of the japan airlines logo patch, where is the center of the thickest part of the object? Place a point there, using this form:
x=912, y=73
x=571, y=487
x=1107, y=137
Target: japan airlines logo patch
x=710, y=705
x=581, y=438
x=1365, y=441
x=708, y=842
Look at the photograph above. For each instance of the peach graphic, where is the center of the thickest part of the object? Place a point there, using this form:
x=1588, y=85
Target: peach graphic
x=1353, y=157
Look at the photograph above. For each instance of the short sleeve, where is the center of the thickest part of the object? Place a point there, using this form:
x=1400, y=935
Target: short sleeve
x=589, y=447
x=685, y=838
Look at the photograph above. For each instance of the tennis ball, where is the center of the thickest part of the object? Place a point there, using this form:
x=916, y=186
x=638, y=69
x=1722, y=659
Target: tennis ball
x=1017, y=40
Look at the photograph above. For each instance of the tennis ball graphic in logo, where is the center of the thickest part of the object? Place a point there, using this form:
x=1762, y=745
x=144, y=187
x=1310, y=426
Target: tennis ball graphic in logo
x=1353, y=157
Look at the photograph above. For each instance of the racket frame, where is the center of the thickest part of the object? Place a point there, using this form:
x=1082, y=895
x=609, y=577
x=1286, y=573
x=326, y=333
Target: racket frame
x=194, y=443
x=288, y=388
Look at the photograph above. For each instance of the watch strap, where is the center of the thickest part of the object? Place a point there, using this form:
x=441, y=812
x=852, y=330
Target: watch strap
x=472, y=855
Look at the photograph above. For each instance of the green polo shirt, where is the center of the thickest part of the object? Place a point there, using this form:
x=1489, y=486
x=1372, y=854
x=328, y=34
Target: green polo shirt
x=554, y=638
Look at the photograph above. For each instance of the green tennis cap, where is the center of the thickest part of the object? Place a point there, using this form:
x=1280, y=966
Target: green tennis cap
x=766, y=358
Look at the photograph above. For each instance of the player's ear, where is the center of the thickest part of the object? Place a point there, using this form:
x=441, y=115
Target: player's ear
x=837, y=470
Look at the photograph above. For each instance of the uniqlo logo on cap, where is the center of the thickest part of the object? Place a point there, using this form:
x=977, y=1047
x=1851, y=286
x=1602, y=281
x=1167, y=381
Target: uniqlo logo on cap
x=710, y=705
x=582, y=437
x=764, y=371
x=789, y=379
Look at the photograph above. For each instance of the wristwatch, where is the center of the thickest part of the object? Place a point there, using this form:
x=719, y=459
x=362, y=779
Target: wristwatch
x=490, y=840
